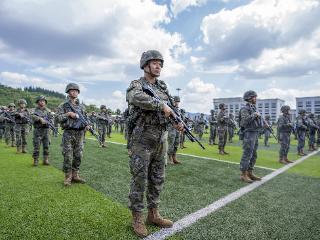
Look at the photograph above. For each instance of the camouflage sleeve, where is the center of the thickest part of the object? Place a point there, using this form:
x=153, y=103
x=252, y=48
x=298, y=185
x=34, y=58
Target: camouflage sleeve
x=246, y=117
x=300, y=124
x=61, y=114
x=137, y=97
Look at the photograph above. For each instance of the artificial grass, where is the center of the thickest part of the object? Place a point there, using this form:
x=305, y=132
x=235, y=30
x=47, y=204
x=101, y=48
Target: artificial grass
x=287, y=207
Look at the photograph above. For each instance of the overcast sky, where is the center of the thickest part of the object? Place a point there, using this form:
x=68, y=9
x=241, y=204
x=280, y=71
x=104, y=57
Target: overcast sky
x=212, y=48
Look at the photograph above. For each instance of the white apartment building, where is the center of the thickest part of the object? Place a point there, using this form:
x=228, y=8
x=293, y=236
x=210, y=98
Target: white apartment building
x=310, y=104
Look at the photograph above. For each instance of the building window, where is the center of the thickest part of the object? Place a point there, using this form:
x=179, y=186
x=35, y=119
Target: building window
x=266, y=105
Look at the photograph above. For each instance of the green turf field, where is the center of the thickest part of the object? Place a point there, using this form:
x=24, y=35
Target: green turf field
x=35, y=204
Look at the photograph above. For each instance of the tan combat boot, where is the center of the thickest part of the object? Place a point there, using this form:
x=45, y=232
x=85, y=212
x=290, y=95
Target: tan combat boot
x=170, y=159
x=46, y=160
x=244, y=177
x=287, y=160
x=220, y=151
x=252, y=176
x=282, y=160
x=19, y=149
x=76, y=178
x=155, y=218
x=13, y=144
x=301, y=153
x=138, y=224
x=174, y=159
x=67, y=179
x=35, y=162
x=24, y=149
x=310, y=148
x=224, y=151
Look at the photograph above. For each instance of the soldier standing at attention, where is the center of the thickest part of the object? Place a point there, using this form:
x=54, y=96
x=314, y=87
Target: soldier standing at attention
x=2, y=122
x=41, y=131
x=318, y=131
x=267, y=131
x=182, y=134
x=302, y=128
x=173, y=137
x=312, y=132
x=22, y=119
x=250, y=123
x=222, y=119
x=232, y=125
x=9, y=125
x=147, y=142
x=73, y=134
x=201, y=123
x=213, y=128
x=110, y=123
x=285, y=127
x=102, y=120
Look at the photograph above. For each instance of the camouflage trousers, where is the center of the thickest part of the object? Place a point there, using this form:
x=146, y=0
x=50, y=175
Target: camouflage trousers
x=312, y=138
x=109, y=130
x=72, y=148
x=284, y=139
x=147, y=166
x=230, y=133
x=10, y=134
x=213, y=134
x=102, y=130
x=318, y=137
x=266, y=137
x=200, y=132
x=2, y=132
x=182, y=138
x=301, y=135
x=222, y=134
x=21, y=134
x=249, y=154
x=40, y=135
x=173, y=140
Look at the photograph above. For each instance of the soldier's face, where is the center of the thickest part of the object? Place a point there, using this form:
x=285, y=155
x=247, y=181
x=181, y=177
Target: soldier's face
x=41, y=103
x=155, y=67
x=73, y=93
x=22, y=105
x=253, y=100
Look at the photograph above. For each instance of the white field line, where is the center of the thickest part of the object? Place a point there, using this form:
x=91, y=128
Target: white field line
x=190, y=155
x=196, y=216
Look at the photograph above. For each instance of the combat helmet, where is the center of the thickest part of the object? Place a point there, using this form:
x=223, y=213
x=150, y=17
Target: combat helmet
x=150, y=55
x=249, y=94
x=103, y=107
x=285, y=108
x=176, y=98
x=41, y=97
x=22, y=101
x=212, y=111
x=72, y=86
x=11, y=105
x=301, y=111
x=222, y=106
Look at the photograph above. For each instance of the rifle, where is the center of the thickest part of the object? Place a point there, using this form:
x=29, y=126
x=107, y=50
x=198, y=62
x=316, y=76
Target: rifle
x=48, y=122
x=83, y=119
x=102, y=118
x=176, y=116
x=8, y=118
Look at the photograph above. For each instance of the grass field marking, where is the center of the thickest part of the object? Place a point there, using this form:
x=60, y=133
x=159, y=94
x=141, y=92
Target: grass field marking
x=190, y=155
x=224, y=161
x=196, y=216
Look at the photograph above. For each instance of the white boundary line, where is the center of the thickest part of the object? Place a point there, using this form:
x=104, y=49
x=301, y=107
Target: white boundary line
x=190, y=155
x=194, y=217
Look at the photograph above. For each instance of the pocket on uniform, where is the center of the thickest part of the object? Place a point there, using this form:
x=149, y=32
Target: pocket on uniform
x=136, y=164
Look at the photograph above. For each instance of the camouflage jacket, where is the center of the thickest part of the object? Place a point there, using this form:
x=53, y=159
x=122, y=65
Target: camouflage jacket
x=22, y=116
x=222, y=119
x=213, y=120
x=284, y=124
x=247, y=119
x=301, y=123
x=70, y=123
x=41, y=113
x=103, y=118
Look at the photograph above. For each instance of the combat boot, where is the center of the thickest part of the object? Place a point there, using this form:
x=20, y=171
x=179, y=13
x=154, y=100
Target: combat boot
x=174, y=159
x=282, y=160
x=13, y=144
x=170, y=159
x=287, y=160
x=314, y=147
x=301, y=153
x=76, y=178
x=244, y=177
x=138, y=224
x=46, y=160
x=155, y=218
x=220, y=151
x=35, y=162
x=252, y=176
x=224, y=152
x=19, y=149
x=24, y=149
x=67, y=179
x=310, y=148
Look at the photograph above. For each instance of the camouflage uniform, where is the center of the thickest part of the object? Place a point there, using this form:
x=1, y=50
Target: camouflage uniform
x=232, y=125
x=182, y=137
x=213, y=128
x=9, y=126
x=302, y=128
x=267, y=132
x=22, y=119
x=312, y=132
x=147, y=144
x=41, y=133
x=2, y=125
x=201, y=123
x=93, y=120
x=222, y=119
x=318, y=132
x=72, y=138
x=102, y=120
x=284, y=126
x=110, y=123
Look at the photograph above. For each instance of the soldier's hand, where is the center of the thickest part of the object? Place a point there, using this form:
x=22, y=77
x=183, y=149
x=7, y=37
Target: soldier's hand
x=88, y=127
x=71, y=115
x=179, y=127
x=42, y=121
x=167, y=110
x=256, y=114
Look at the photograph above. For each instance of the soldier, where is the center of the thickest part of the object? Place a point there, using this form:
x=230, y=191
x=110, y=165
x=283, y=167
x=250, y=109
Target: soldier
x=173, y=137
x=110, y=123
x=201, y=123
x=285, y=127
x=250, y=123
x=126, y=117
x=318, y=132
x=232, y=125
x=72, y=139
x=116, y=124
x=102, y=124
x=222, y=126
x=41, y=130
x=22, y=119
x=10, y=124
x=93, y=119
x=213, y=128
x=148, y=120
x=301, y=128
x=312, y=132
x=182, y=137
x=2, y=123
x=267, y=131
